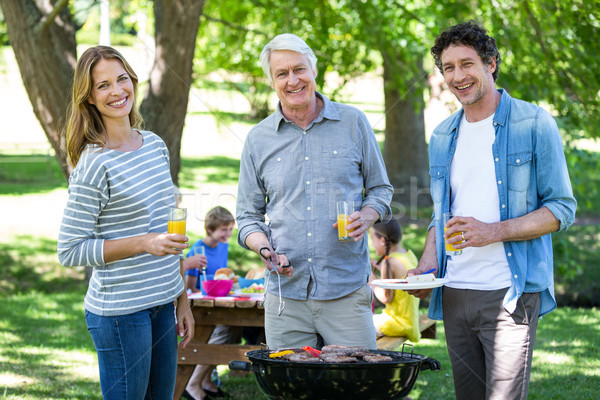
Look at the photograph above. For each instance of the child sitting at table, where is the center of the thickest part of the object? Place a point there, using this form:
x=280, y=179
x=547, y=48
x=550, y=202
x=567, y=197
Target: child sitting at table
x=211, y=252
x=401, y=314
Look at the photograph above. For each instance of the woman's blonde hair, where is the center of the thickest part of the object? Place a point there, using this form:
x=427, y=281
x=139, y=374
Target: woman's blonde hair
x=85, y=125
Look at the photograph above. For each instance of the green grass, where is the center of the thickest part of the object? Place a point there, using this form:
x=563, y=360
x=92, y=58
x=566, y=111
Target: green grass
x=29, y=173
x=30, y=265
x=565, y=362
x=217, y=169
x=45, y=350
x=47, y=353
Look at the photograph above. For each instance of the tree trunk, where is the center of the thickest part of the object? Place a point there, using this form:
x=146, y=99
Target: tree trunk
x=405, y=150
x=165, y=105
x=45, y=50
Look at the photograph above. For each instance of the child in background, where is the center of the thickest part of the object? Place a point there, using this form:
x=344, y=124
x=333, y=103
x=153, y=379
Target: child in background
x=401, y=314
x=210, y=252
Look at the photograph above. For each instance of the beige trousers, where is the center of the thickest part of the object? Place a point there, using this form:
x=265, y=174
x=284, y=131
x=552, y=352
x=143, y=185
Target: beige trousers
x=345, y=321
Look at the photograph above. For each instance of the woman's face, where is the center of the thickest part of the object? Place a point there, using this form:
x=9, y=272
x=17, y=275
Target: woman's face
x=112, y=89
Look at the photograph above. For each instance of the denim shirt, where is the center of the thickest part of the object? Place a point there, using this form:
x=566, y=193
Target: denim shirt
x=294, y=176
x=531, y=173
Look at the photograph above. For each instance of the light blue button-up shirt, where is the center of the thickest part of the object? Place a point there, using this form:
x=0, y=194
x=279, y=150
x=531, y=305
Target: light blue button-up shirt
x=530, y=162
x=295, y=177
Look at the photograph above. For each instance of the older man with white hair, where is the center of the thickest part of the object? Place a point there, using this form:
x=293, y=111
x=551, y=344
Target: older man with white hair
x=296, y=163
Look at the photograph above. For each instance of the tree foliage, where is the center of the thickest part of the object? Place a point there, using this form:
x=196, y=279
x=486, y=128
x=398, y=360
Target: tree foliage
x=42, y=34
x=3, y=34
x=236, y=31
x=43, y=40
x=548, y=46
x=226, y=45
x=550, y=51
x=348, y=38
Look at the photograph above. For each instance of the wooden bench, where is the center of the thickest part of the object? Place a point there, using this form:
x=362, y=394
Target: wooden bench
x=426, y=326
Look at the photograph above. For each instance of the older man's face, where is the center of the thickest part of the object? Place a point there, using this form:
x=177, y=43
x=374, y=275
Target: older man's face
x=293, y=80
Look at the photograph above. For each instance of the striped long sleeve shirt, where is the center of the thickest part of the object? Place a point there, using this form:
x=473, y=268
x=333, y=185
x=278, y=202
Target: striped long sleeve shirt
x=114, y=195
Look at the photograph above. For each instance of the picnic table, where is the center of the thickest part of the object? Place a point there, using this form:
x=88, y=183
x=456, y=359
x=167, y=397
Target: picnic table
x=209, y=312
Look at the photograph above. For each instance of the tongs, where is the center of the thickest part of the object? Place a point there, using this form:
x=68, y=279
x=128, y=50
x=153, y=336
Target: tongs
x=281, y=302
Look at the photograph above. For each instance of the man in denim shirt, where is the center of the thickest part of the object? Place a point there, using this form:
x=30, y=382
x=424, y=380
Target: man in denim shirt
x=499, y=165
x=295, y=165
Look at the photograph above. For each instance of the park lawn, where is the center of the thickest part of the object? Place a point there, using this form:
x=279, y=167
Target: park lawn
x=47, y=353
x=565, y=361
x=45, y=350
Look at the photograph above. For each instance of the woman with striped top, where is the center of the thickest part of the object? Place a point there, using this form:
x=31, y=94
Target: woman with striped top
x=115, y=221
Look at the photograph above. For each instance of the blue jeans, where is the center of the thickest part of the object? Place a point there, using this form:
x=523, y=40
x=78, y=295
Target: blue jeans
x=137, y=353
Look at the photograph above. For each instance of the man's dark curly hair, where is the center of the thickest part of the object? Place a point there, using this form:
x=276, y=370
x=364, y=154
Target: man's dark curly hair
x=468, y=34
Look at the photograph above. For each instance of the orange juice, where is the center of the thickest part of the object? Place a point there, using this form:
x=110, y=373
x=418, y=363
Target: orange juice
x=176, y=227
x=450, y=250
x=342, y=220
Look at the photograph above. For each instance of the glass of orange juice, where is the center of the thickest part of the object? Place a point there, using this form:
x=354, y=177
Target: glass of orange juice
x=344, y=209
x=450, y=250
x=176, y=220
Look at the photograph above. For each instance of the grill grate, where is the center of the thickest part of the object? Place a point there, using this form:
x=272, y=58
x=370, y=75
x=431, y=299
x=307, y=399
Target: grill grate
x=398, y=357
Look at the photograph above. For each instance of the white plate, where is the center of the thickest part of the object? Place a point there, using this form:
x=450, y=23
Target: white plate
x=401, y=284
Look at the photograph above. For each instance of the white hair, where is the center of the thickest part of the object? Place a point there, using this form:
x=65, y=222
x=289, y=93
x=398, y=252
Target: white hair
x=286, y=41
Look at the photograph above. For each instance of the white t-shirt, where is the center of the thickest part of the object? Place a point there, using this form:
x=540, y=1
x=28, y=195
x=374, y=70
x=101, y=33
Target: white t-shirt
x=474, y=193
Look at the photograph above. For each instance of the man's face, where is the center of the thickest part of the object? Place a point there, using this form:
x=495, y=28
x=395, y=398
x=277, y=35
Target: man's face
x=466, y=74
x=293, y=79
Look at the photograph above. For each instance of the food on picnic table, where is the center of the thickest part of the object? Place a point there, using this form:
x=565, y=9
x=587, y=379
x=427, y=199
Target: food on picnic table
x=254, y=288
x=225, y=274
x=420, y=278
x=329, y=354
x=256, y=273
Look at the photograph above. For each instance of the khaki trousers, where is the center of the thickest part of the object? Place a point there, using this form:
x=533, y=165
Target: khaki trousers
x=345, y=321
